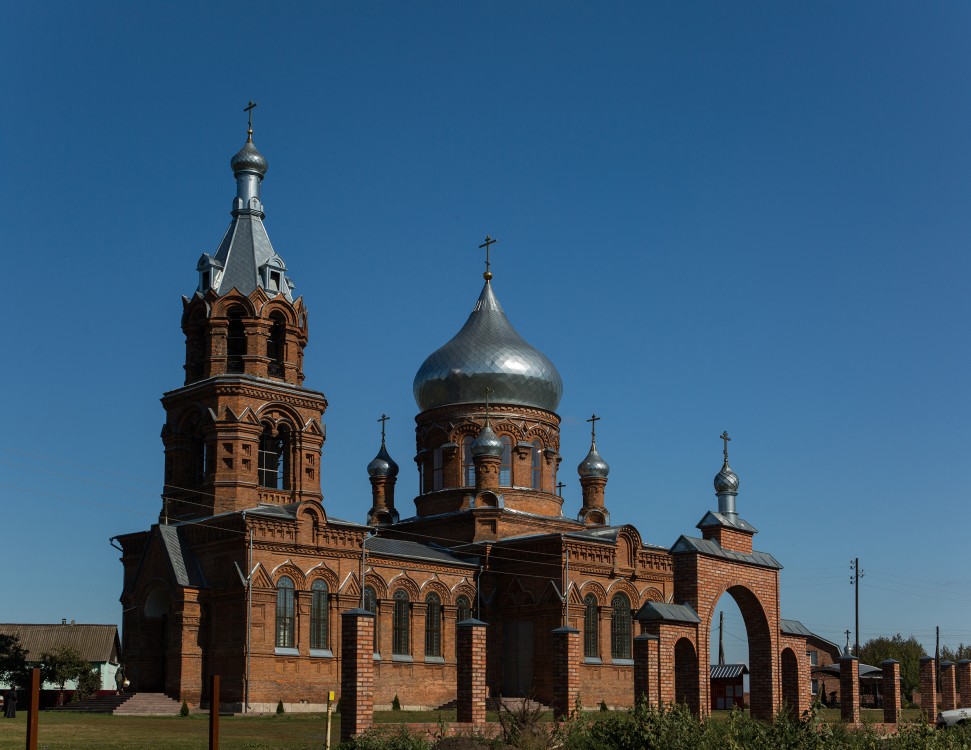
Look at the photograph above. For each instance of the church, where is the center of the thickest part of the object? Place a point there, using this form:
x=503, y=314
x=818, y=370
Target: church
x=247, y=572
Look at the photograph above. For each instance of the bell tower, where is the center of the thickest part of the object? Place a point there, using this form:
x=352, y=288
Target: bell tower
x=242, y=430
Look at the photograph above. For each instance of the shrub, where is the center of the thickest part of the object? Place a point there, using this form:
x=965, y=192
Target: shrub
x=386, y=738
x=603, y=705
x=395, y=704
x=184, y=711
x=279, y=708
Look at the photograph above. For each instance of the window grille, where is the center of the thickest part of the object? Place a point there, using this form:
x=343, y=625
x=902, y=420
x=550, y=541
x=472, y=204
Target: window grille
x=463, y=608
x=285, y=613
x=505, y=467
x=433, y=625
x=401, y=623
x=537, y=465
x=620, y=627
x=371, y=605
x=319, y=615
x=235, y=341
x=591, y=627
x=468, y=467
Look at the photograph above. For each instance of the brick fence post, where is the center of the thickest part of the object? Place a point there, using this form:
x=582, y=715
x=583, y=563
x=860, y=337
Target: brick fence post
x=566, y=670
x=928, y=688
x=948, y=686
x=964, y=680
x=645, y=647
x=470, y=672
x=891, y=691
x=850, y=689
x=357, y=672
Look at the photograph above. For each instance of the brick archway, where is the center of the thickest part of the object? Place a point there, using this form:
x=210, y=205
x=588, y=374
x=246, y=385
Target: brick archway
x=686, y=675
x=789, y=665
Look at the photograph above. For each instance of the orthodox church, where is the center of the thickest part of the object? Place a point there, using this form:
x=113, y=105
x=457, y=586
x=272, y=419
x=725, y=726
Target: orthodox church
x=247, y=571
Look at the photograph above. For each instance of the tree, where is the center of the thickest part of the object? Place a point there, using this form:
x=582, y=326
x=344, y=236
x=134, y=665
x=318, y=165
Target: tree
x=955, y=655
x=13, y=662
x=907, y=651
x=62, y=665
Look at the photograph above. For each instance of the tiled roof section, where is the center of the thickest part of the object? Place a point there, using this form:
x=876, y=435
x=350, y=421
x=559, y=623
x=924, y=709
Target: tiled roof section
x=667, y=612
x=794, y=627
x=718, y=519
x=713, y=549
x=96, y=643
x=415, y=551
x=185, y=566
x=727, y=671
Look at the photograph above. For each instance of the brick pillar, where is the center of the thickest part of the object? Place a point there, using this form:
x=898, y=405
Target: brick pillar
x=566, y=670
x=645, y=658
x=948, y=686
x=357, y=672
x=928, y=688
x=470, y=689
x=850, y=689
x=891, y=691
x=964, y=681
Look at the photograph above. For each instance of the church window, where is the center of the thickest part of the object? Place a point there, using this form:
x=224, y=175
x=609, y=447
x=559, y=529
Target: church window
x=285, y=613
x=537, y=465
x=205, y=281
x=319, y=620
x=235, y=341
x=620, y=627
x=468, y=467
x=371, y=605
x=401, y=623
x=433, y=625
x=591, y=627
x=274, y=465
x=505, y=467
x=463, y=608
x=276, y=345
x=437, y=469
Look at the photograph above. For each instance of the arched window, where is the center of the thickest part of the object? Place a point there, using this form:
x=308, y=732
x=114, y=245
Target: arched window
x=401, y=624
x=591, y=627
x=468, y=467
x=433, y=625
x=505, y=468
x=371, y=605
x=319, y=615
x=463, y=608
x=274, y=464
x=537, y=465
x=285, y=613
x=276, y=345
x=620, y=624
x=235, y=341
x=437, y=469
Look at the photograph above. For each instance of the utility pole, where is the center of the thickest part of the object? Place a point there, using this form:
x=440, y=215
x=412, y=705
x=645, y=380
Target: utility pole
x=937, y=656
x=721, y=637
x=855, y=581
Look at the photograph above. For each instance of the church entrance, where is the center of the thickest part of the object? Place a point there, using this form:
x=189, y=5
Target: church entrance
x=517, y=659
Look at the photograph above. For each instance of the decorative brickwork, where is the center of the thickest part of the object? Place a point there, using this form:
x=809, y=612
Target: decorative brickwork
x=948, y=686
x=964, y=680
x=928, y=688
x=850, y=689
x=566, y=670
x=471, y=691
x=891, y=691
x=646, y=669
x=357, y=672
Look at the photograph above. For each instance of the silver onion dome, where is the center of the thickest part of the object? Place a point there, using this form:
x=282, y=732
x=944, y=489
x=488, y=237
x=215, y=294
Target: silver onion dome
x=488, y=355
x=593, y=465
x=382, y=465
x=249, y=159
x=486, y=442
x=726, y=480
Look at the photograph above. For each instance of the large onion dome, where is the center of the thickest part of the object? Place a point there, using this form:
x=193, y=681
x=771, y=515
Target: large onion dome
x=488, y=355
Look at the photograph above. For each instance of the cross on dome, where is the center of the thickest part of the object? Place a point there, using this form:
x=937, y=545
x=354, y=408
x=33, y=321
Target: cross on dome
x=489, y=241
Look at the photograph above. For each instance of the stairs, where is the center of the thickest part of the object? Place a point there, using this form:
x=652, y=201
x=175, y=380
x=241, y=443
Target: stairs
x=127, y=704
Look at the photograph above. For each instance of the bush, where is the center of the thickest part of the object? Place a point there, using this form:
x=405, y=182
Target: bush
x=603, y=705
x=386, y=738
x=184, y=711
x=395, y=704
x=88, y=685
x=279, y=708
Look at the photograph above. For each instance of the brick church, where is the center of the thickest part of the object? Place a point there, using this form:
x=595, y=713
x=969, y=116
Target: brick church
x=246, y=573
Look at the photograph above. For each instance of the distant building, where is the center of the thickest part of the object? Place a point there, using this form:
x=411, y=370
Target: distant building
x=728, y=686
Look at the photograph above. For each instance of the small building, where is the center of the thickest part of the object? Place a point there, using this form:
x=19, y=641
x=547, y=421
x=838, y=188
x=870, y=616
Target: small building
x=821, y=653
x=728, y=686
x=98, y=644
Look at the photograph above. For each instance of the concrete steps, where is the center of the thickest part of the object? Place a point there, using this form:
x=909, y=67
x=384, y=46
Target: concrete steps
x=127, y=704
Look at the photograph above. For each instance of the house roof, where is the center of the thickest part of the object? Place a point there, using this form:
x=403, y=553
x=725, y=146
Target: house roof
x=96, y=643
x=794, y=627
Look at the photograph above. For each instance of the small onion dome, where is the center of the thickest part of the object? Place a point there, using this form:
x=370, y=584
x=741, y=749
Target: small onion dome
x=593, y=465
x=382, y=465
x=726, y=480
x=486, y=443
x=249, y=159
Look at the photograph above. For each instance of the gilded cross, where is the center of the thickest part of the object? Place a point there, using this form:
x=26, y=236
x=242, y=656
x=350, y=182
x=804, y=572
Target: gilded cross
x=726, y=440
x=384, y=418
x=249, y=108
x=488, y=242
x=593, y=426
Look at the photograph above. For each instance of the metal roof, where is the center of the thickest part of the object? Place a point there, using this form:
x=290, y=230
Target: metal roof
x=402, y=548
x=488, y=353
x=727, y=671
x=96, y=643
x=794, y=627
x=722, y=519
x=185, y=566
x=713, y=549
x=667, y=612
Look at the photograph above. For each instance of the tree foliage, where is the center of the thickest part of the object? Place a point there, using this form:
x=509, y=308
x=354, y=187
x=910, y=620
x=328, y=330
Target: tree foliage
x=955, y=654
x=907, y=651
x=13, y=662
x=63, y=665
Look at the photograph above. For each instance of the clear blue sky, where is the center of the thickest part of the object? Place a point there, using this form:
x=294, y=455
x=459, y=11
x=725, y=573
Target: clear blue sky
x=716, y=216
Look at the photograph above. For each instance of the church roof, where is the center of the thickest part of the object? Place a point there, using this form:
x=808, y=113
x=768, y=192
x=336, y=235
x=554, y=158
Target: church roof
x=488, y=355
x=667, y=612
x=185, y=566
x=714, y=549
x=403, y=548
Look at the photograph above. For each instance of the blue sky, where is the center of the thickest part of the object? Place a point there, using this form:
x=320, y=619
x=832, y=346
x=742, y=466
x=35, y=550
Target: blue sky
x=712, y=216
